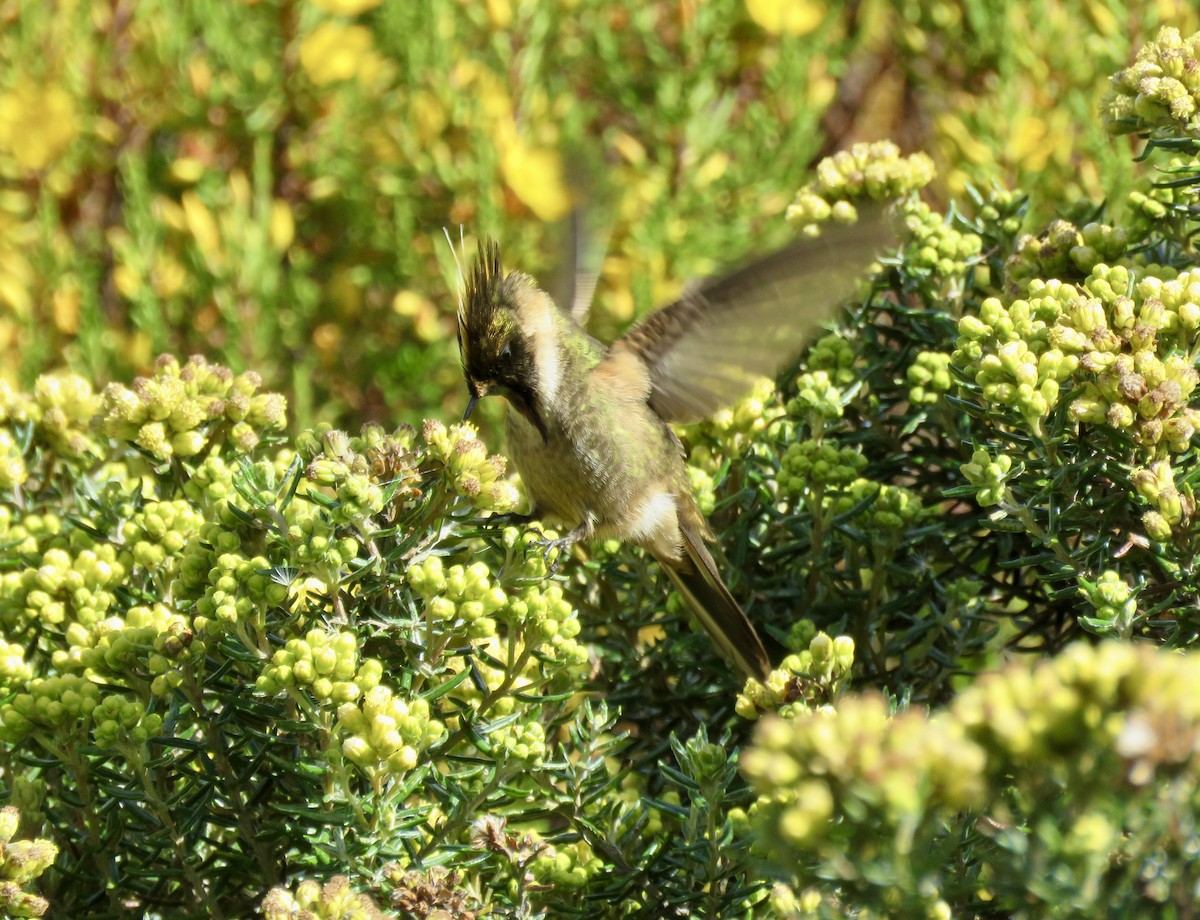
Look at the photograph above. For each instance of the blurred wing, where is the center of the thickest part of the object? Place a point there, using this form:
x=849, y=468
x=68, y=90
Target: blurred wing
x=706, y=350
x=590, y=236
x=583, y=237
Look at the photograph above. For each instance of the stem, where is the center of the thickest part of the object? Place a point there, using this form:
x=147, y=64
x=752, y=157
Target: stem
x=493, y=695
x=454, y=821
x=1025, y=516
x=215, y=738
x=87, y=814
x=163, y=813
x=339, y=778
x=817, y=536
x=878, y=575
x=714, y=853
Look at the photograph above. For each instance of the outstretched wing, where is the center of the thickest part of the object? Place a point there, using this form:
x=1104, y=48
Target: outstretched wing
x=706, y=349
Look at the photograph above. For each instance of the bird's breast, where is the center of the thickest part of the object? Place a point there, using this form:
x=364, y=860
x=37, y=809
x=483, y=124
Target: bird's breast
x=566, y=475
x=613, y=464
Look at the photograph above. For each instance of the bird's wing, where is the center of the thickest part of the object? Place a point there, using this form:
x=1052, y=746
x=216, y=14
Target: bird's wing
x=590, y=246
x=706, y=349
x=583, y=237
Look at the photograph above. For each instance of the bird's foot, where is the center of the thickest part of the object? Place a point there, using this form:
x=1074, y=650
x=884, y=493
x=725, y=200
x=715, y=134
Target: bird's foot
x=558, y=546
x=552, y=550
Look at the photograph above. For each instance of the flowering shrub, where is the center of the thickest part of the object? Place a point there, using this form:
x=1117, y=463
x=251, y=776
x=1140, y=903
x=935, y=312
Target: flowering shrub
x=322, y=675
x=1056, y=441
x=183, y=589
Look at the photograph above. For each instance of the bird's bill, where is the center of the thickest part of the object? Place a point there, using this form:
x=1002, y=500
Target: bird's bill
x=471, y=406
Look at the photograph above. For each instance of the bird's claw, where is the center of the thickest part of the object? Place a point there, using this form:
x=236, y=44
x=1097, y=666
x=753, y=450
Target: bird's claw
x=555, y=547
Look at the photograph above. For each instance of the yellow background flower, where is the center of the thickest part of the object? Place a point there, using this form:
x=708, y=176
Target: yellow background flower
x=334, y=52
x=346, y=7
x=37, y=123
x=786, y=17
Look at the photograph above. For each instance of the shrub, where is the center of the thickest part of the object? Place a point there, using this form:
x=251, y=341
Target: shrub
x=321, y=674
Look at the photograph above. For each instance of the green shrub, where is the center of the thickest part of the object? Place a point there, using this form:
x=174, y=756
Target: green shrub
x=321, y=674
x=1065, y=787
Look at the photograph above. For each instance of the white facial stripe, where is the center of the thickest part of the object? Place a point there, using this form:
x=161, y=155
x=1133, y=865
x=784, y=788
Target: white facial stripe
x=537, y=323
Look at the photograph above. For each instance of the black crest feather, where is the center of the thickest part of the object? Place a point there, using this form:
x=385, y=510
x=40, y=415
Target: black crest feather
x=478, y=302
x=482, y=288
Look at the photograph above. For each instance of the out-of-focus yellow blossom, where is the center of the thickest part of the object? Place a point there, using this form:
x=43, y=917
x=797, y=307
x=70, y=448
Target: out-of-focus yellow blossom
x=490, y=93
x=327, y=339
x=333, y=52
x=345, y=291
x=199, y=75
x=499, y=13
x=18, y=236
x=712, y=169
x=421, y=311
x=37, y=123
x=428, y=116
x=346, y=7
x=535, y=175
x=786, y=17
x=618, y=270
x=629, y=147
x=203, y=227
x=283, y=225
x=187, y=170
x=1031, y=140
x=16, y=279
x=240, y=191
x=64, y=305
x=960, y=142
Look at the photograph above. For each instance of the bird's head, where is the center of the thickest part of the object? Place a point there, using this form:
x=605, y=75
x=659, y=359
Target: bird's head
x=495, y=340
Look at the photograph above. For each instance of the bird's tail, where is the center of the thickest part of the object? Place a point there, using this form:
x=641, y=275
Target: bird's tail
x=697, y=579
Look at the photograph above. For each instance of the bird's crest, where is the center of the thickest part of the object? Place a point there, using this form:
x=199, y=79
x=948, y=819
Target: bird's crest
x=488, y=328
x=481, y=288
x=478, y=298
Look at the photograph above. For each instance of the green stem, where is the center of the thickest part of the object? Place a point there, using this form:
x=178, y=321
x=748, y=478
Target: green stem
x=243, y=814
x=493, y=695
x=164, y=815
x=87, y=814
x=456, y=820
x=1009, y=505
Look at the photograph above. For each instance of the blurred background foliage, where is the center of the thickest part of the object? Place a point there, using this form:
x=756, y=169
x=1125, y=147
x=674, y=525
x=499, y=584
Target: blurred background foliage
x=268, y=182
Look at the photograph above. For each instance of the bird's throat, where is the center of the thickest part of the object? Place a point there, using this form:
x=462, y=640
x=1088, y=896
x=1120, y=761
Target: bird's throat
x=522, y=400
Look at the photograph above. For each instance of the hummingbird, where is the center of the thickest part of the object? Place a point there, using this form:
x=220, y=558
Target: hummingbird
x=589, y=425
